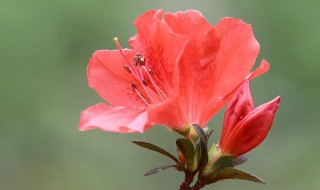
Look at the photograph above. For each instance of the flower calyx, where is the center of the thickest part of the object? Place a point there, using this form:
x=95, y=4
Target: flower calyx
x=194, y=158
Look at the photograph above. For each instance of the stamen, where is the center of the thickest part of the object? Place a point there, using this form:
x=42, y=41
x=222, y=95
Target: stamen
x=142, y=61
x=136, y=90
x=138, y=69
x=126, y=67
x=145, y=82
x=138, y=60
x=135, y=61
x=157, y=88
x=150, y=72
x=116, y=40
x=128, y=64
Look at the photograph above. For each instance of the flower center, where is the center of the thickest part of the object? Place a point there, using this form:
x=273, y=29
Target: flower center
x=145, y=85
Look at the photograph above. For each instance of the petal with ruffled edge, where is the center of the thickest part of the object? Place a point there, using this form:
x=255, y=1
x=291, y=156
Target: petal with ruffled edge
x=114, y=119
x=252, y=130
x=190, y=23
x=161, y=47
x=263, y=67
x=228, y=55
x=107, y=76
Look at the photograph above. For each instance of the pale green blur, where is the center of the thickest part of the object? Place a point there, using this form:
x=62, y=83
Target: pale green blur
x=45, y=47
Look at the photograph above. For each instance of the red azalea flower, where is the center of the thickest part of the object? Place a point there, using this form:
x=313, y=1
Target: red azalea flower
x=179, y=70
x=244, y=128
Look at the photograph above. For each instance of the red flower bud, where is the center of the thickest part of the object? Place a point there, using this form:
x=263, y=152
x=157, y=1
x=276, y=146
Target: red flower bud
x=244, y=128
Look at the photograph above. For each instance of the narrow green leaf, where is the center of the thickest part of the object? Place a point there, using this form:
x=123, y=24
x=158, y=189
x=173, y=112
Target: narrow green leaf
x=223, y=162
x=186, y=148
x=233, y=173
x=156, y=149
x=159, y=169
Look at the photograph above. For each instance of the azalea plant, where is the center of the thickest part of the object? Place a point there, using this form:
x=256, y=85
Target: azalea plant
x=179, y=72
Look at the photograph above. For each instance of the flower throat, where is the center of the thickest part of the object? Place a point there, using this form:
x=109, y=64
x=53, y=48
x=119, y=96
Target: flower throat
x=144, y=85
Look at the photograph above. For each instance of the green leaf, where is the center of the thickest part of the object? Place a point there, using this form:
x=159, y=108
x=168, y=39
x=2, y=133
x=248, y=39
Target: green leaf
x=203, y=146
x=233, y=173
x=186, y=148
x=159, y=169
x=156, y=149
x=223, y=162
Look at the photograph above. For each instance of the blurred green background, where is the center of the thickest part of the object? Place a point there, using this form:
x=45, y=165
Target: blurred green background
x=45, y=47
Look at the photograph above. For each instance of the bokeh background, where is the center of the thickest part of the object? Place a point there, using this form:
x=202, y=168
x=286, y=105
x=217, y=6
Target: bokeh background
x=45, y=47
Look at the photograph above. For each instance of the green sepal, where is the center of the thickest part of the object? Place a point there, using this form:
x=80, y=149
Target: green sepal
x=202, y=143
x=159, y=169
x=157, y=149
x=240, y=160
x=197, y=157
x=233, y=173
x=223, y=162
x=187, y=150
x=209, y=134
x=213, y=155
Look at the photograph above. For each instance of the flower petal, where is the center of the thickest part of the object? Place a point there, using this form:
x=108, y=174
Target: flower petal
x=168, y=113
x=263, y=67
x=213, y=65
x=252, y=130
x=111, y=81
x=161, y=48
x=235, y=57
x=190, y=23
x=238, y=107
x=113, y=119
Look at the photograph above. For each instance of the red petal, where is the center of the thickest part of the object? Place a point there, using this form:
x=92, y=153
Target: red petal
x=190, y=23
x=110, y=80
x=252, y=130
x=114, y=119
x=263, y=67
x=168, y=113
x=238, y=107
x=161, y=48
x=214, y=65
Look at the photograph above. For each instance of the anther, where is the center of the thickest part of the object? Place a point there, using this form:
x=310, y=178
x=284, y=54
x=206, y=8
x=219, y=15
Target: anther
x=126, y=67
x=135, y=61
x=134, y=86
x=144, y=82
x=142, y=60
x=150, y=71
x=138, y=60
